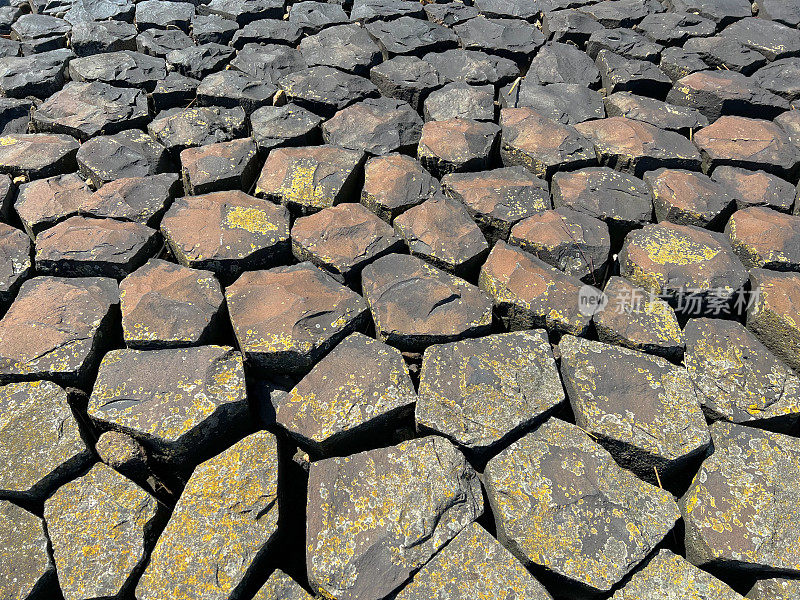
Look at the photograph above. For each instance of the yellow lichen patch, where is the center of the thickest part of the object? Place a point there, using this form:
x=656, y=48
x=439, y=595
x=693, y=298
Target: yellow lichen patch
x=673, y=249
x=252, y=220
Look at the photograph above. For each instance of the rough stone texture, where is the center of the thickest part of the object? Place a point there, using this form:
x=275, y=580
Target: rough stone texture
x=231, y=88
x=222, y=166
x=636, y=147
x=622, y=74
x=101, y=526
x=308, y=179
x=414, y=304
x=393, y=507
x=361, y=387
x=37, y=155
x=727, y=53
x=682, y=119
x=765, y=238
x=668, y=576
x=346, y=47
x=325, y=90
x=773, y=314
x=88, y=247
x=573, y=242
x=461, y=100
x=240, y=232
x=561, y=502
x=756, y=188
x=42, y=445
x=480, y=393
x=130, y=153
x=473, y=565
x=406, y=78
x=395, y=183
x=637, y=319
x=287, y=125
x=441, y=231
x=123, y=68
x=642, y=408
x=563, y=63
x=738, y=379
x=542, y=145
x=468, y=66
x=226, y=518
x=668, y=257
x=528, y=293
x=166, y=305
x=43, y=202
x=55, y=328
x=177, y=403
x=508, y=38
x=178, y=129
x=343, y=239
x=567, y=103
x=28, y=571
x=774, y=589
x=287, y=318
x=280, y=586
x=773, y=40
x=139, y=199
x=689, y=198
x=457, y=145
x=40, y=75
x=740, y=508
x=15, y=261
x=499, y=198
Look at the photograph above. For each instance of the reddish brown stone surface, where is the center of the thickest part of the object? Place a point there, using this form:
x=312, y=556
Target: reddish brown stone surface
x=15, y=261
x=139, y=199
x=765, y=238
x=457, y=145
x=239, y=232
x=343, y=239
x=395, y=183
x=774, y=313
x=36, y=155
x=689, y=198
x=224, y=166
x=756, y=188
x=43, y=202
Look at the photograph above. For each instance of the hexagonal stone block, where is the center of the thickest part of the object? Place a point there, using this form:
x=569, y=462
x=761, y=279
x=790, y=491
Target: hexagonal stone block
x=642, y=408
x=130, y=153
x=563, y=63
x=756, y=188
x=325, y=90
x=90, y=37
x=240, y=232
x=221, y=166
x=542, y=145
x=244, y=11
x=280, y=586
x=88, y=247
x=780, y=77
x=56, y=328
x=309, y=178
x=747, y=143
x=39, y=75
x=414, y=304
x=666, y=258
x=29, y=570
x=410, y=500
x=178, y=403
x=84, y=110
x=774, y=589
x=160, y=42
x=567, y=103
x=200, y=61
x=359, y=390
x=180, y=128
x=395, y=183
x=569, y=25
x=480, y=393
x=674, y=28
x=619, y=199
x=722, y=12
x=287, y=125
x=773, y=313
x=139, y=199
x=173, y=91
x=573, y=242
x=160, y=14
x=773, y=40
x=468, y=66
x=636, y=147
x=682, y=119
x=441, y=231
x=460, y=100
x=738, y=379
x=39, y=33
x=346, y=47
x=167, y=305
x=499, y=198
x=528, y=293
x=740, y=509
x=15, y=261
x=630, y=43
x=561, y=502
x=231, y=88
x=457, y=145
x=43, y=202
x=228, y=509
x=667, y=573
x=407, y=78
x=408, y=35
x=376, y=126
x=42, y=445
x=724, y=52
x=287, y=318
x=510, y=38
x=689, y=198
x=124, y=68
x=37, y=155
x=102, y=526
x=637, y=319
x=343, y=239
x=623, y=74
x=765, y=238
x=715, y=93
x=268, y=62
x=474, y=564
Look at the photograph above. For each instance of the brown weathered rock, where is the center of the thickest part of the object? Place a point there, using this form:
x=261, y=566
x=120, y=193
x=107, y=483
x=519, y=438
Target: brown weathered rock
x=43, y=202
x=239, y=232
x=37, y=155
x=774, y=589
x=308, y=179
x=343, y=239
x=56, y=328
x=28, y=571
x=689, y=198
x=441, y=231
x=773, y=313
x=139, y=199
x=287, y=318
x=167, y=305
x=765, y=238
x=280, y=586
x=756, y=188
x=457, y=145
x=87, y=247
x=528, y=293
x=395, y=183
x=222, y=166
x=15, y=261
x=414, y=304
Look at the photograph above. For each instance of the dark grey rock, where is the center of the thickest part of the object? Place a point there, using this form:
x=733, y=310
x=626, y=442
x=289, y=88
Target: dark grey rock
x=346, y=47
x=563, y=63
x=130, y=153
x=406, y=78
